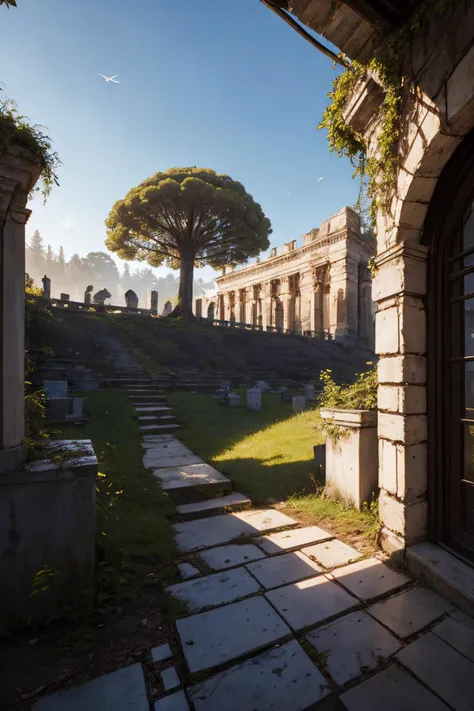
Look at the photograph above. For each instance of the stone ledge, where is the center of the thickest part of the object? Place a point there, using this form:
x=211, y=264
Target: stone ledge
x=443, y=572
x=76, y=459
x=350, y=418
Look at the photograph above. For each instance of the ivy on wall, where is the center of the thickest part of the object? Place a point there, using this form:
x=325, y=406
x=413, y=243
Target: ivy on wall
x=15, y=129
x=387, y=65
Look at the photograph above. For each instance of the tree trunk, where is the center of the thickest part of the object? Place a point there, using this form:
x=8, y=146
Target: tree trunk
x=184, y=305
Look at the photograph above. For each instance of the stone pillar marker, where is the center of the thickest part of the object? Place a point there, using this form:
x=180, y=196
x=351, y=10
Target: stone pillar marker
x=19, y=171
x=153, y=302
x=299, y=403
x=46, y=287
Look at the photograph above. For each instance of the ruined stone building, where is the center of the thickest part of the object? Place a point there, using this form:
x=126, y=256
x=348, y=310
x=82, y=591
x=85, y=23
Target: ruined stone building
x=424, y=270
x=321, y=288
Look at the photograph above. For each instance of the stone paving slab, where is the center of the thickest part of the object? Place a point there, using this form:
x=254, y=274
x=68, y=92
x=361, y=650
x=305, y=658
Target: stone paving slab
x=174, y=702
x=283, y=569
x=369, y=578
x=151, y=441
x=288, y=540
x=203, y=508
x=353, y=643
x=332, y=554
x=443, y=669
x=229, y=556
x=310, y=601
x=170, y=679
x=187, y=571
x=278, y=680
x=218, y=636
x=193, y=475
x=121, y=690
x=205, y=533
x=160, y=427
x=410, y=611
x=156, y=457
x=161, y=653
x=458, y=631
x=216, y=589
x=391, y=690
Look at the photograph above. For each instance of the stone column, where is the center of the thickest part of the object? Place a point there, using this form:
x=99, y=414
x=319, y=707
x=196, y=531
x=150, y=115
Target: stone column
x=344, y=298
x=266, y=305
x=19, y=172
x=399, y=285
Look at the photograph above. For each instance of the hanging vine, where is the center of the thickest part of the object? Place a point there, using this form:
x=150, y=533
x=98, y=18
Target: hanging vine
x=15, y=129
x=387, y=65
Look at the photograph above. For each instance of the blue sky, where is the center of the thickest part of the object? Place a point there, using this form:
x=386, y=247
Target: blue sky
x=223, y=84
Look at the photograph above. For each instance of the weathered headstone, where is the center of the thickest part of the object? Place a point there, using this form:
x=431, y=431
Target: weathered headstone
x=234, y=400
x=285, y=395
x=299, y=403
x=55, y=388
x=131, y=299
x=225, y=385
x=309, y=392
x=263, y=386
x=59, y=408
x=168, y=308
x=64, y=297
x=153, y=302
x=46, y=287
x=101, y=296
x=88, y=294
x=254, y=399
x=77, y=405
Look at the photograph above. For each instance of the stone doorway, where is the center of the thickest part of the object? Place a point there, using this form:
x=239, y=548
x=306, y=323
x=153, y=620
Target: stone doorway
x=449, y=233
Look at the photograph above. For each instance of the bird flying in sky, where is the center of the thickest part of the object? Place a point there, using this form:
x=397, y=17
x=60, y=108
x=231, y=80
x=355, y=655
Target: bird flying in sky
x=113, y=79
x=319, y=179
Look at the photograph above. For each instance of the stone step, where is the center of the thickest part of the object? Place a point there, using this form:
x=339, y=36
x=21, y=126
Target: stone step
x=192, y=483
x=151, y=408
x=148, y=396
x=221, y=505
x=170, y=427
x=158, y=419
x=200, y=534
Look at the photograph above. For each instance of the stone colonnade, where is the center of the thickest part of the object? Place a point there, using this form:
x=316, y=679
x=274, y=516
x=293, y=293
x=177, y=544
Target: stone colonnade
x=322, y=287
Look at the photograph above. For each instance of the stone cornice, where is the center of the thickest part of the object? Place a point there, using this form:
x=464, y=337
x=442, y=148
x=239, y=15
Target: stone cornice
x=261, y=267
x=411, y=250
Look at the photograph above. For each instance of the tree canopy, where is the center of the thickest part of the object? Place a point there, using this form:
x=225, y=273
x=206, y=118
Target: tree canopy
x=188, y=217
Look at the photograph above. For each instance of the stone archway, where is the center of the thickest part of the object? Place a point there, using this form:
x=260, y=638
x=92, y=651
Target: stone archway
x=211, y=310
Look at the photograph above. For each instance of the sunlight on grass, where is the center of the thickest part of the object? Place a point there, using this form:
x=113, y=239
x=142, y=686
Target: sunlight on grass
x=267, y=453
x=284, y=442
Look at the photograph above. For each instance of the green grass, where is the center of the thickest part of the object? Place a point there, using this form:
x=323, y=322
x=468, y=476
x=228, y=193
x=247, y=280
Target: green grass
x=267, y=453
x=137, y=517
x=359, y=528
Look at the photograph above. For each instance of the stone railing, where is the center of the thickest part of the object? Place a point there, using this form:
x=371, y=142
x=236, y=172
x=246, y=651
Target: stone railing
x=101, y=308
x=316, y=335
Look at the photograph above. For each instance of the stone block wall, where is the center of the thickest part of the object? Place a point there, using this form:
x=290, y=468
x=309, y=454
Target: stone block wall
x=440, y=113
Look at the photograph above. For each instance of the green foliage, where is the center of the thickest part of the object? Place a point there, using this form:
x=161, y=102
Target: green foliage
x=15, y=129
x=8, y=3
x=188, y=217
x=43, y=580
x=387, y=64
x=360, y=395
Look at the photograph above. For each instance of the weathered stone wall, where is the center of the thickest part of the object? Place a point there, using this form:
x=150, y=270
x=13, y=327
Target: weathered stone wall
x=322, y=286
x=439, y=115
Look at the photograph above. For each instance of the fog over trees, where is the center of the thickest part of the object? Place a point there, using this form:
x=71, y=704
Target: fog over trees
x=73, y=276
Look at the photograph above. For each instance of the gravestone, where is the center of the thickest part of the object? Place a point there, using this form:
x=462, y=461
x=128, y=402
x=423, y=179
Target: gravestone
x=101, y=296
x=59, y=408
x=168, y=308
x=285, y=396
x=46, y=287
x=88, y=294
x=225, y=385
x=131, y=299
x=234, y=400
x=64, y=297
x=153, y=302
x=299, y=403
x=263, y=386
x=254, y=399
x=309, y=392
x=55, y=388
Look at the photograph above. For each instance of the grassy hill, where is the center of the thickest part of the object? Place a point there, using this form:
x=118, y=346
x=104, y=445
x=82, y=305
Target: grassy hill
x=168, y=347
